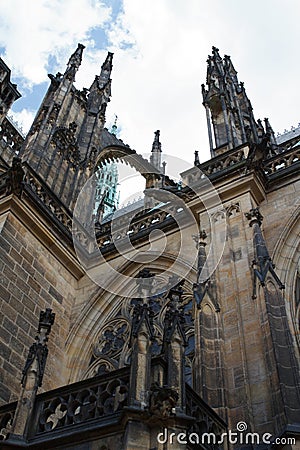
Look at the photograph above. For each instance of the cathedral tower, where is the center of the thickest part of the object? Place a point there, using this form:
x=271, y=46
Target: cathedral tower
x=65, y=137
x=8, y=90
x=229, y=112
x=156, y=342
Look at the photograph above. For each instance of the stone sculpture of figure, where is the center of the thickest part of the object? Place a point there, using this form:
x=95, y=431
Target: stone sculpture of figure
x=162, y=400
x=16, y=176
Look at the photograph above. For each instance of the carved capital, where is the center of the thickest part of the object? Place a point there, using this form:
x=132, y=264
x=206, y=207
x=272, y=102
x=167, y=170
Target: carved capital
x=46, y=320
x=254, y=216
x=200, y=239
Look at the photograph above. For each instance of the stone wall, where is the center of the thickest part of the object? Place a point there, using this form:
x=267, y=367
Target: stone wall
x=32, y=279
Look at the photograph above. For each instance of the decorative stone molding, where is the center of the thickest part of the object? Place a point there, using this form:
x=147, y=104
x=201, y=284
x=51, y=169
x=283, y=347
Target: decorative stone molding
x=64, y=140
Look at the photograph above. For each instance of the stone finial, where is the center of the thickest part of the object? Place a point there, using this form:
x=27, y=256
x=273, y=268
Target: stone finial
x=270, y=132
x=74, y=62
x=229, y=68
x=156, y=146
x=114, y=127
x=155, y=157
x=262, y=264
x=100, y=90
x=46, y=321
x=144, y=283
x=226, y=125
x=106, y=67
x=104, y=78
x=141, y=314
x=215, y=51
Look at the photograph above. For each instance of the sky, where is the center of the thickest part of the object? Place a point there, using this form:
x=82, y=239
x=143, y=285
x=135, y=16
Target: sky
x=160, y=51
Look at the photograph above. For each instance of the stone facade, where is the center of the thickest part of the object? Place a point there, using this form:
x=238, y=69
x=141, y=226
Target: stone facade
x=132, y=350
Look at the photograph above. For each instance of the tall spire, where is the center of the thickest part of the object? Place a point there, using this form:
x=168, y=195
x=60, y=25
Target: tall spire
x=270, y=132
x=106, y=69
x=155, y=157
x=229, y=112
x=100, y=90
x=67, y=129
x=114, y=127
x=229, y=69
x=74, y=63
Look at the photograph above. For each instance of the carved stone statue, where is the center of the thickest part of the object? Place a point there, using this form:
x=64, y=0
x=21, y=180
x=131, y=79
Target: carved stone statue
x=162, y=400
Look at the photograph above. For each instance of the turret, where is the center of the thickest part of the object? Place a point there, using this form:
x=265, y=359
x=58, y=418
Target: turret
x=100, y=90
x=8, y=90
x=155, y=157
x=230, y=118
x=74, y=63
x=65, y=138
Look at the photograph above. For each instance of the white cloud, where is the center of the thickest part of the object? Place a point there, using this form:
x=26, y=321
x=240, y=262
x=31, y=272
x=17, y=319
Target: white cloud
x=161, y=87
x=31, y=30
x=23, y=119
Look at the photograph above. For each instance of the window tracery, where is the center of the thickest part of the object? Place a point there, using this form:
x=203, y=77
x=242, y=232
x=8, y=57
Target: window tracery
x=110, y=350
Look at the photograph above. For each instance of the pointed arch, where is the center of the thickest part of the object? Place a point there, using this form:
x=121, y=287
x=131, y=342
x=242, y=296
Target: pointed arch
x=287, y=261
x=101, y=308
x=208, y=362
x=122, y=153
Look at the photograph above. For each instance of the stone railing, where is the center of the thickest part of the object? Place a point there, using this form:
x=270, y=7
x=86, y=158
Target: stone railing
x=7, y=413
x=225, y=161
x=282, y=161
x=237, y=158
x=207, y=421
x=143, y=222
x=11, y=139
x=33, y=185
x=94, y=404
x=139, y=223
x=217, y=166
x=123, y=226
x=90, y=401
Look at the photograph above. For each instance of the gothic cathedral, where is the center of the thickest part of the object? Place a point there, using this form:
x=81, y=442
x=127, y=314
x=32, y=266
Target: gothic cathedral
x=169, y=324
